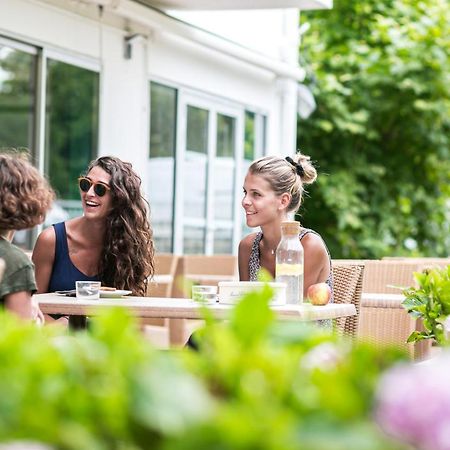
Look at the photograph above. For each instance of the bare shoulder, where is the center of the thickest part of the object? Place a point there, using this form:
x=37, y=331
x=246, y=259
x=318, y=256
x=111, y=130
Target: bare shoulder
x=313, y=243
x=245, y=248
x=247, y=242
x=44, y=247
x=47, y=237
x=317, y=260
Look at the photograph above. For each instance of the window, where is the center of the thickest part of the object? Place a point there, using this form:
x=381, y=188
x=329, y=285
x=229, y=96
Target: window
x=163, y=115
x=163, y=126
x=17, y=97
x=254, y=147
x=71, y=128
x=249, y=143
x=199, y=148
x=65, y=140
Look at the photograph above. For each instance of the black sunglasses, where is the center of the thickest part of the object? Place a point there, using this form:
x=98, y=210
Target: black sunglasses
x=100, y=188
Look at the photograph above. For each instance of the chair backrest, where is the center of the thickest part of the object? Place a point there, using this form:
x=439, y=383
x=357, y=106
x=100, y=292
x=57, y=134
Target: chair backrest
x=347, y=288
x=162, y=283
x=424, y=261
x=389, y=276
x=209, y=264
x=165, y=263
x=203, y=269
x=385, y=322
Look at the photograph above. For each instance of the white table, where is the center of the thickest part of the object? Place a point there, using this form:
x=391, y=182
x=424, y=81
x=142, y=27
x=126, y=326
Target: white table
x=179, y=308
x=176, y=310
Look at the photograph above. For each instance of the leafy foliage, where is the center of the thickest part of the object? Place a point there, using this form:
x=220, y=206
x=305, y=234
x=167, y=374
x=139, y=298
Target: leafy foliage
x=380, y=72
x=430, y=302
x=275, y=390
x=106, y=389
x=254, y=384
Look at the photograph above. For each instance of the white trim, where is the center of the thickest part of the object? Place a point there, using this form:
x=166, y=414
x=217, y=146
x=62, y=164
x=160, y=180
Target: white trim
x=238, y=4
x=40, y=111
x=206, y=95
x=60, y=53
x=18, y=45
x=67, y=57
x=178, y=208
x=162, y=23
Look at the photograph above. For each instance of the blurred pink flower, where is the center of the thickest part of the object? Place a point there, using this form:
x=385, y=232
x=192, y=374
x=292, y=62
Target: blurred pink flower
x=413, y=403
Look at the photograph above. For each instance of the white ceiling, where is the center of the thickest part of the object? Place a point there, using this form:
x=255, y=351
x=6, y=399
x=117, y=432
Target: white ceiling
x=238, y=4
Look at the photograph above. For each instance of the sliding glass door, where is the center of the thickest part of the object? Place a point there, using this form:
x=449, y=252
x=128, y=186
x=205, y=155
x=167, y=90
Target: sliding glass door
x=49, y=106
x=210, y=149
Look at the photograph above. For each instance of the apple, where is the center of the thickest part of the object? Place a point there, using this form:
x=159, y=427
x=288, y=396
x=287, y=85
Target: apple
x=319, y=293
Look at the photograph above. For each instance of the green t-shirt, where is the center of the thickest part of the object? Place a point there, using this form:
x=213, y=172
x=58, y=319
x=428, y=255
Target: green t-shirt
x=19, y=271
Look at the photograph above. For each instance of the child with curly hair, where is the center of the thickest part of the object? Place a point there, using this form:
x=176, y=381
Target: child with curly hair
x=25, y=197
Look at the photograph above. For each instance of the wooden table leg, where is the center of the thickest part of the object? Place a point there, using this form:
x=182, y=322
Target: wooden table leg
x=176, y=332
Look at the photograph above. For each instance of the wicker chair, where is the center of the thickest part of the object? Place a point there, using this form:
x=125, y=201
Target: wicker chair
x=347, y=288
x=389, y=276
x=161, y=285
x=425, y=262
x=165, y=267
x=383, y=320
x=198, y=269
x=203, y=269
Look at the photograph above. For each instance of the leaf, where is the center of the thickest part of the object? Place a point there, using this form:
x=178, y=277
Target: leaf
x=417, y=336
x=252, y=316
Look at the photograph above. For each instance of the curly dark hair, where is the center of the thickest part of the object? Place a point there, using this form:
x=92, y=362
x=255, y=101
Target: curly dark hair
x=25, y=194
x=126, y=261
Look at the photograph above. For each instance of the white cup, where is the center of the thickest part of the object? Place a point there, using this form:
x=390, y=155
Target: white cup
x=88, y=290
x=204, y=294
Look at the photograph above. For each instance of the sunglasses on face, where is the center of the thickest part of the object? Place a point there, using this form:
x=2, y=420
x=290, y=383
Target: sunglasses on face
x=100, y=188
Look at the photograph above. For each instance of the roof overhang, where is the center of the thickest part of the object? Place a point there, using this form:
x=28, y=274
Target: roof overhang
x=237, y=4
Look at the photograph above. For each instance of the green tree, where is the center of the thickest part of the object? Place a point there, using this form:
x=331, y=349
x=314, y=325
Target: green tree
x=380, y=72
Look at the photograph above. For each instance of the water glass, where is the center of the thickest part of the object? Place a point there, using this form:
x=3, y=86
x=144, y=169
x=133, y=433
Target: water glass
x=204, y=294
x=88, y=290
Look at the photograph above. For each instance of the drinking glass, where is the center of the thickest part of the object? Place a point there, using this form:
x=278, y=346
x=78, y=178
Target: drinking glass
x=205, y=294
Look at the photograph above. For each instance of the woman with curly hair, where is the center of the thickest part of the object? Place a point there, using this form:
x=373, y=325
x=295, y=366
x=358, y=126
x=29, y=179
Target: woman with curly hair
x=25, y=198
x=112, y=242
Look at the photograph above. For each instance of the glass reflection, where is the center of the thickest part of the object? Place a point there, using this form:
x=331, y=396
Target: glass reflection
x=163, y=111
x=223, y=241
x=224, y=168
x=71, y=127
x=17, y=95
x=194, y=240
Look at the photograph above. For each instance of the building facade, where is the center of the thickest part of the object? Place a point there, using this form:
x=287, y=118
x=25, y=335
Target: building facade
x=189, y=97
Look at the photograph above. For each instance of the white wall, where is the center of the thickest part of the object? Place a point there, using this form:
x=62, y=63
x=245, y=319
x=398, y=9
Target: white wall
x=267, y=31
x=77, y=31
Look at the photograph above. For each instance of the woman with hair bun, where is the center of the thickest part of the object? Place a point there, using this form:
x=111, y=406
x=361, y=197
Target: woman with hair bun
x=112, y=242
x=274, y=187
x=25, y=198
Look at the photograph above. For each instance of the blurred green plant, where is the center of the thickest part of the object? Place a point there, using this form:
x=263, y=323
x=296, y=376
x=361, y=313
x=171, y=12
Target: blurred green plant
x=430, y=301
x=254, y=384
x=106, y=389
x=285, y=385
x=380, y=73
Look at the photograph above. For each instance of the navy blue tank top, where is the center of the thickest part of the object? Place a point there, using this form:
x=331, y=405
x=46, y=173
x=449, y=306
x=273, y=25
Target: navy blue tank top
x=64, y=273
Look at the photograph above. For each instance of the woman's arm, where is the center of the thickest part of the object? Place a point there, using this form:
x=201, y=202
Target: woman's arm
x=43, y=258
x=316, y=261
x=244, y=250
x=20, y=304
